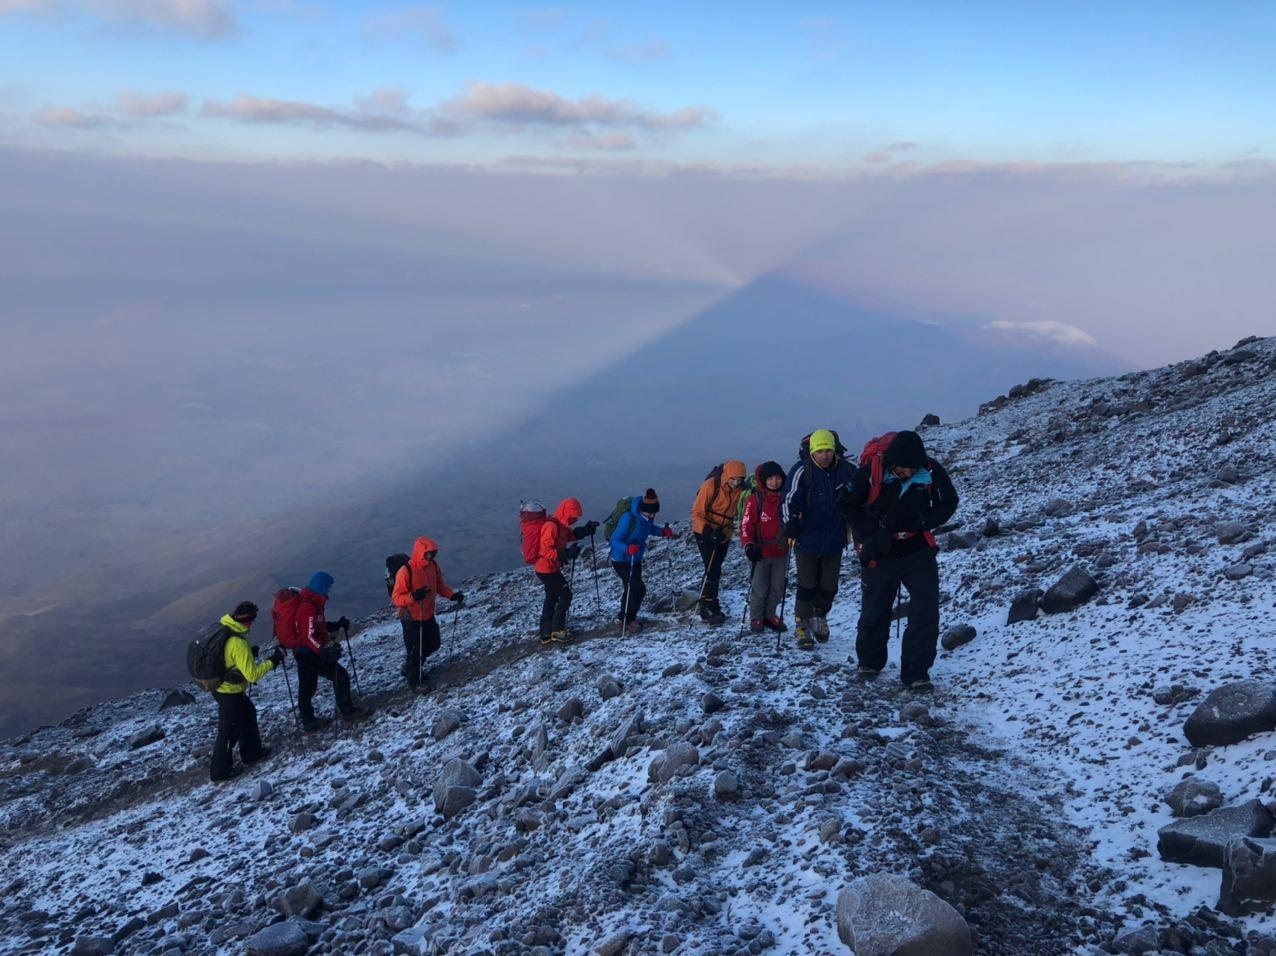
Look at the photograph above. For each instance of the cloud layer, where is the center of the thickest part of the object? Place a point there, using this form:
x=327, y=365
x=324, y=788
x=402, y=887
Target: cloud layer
x=206, y=19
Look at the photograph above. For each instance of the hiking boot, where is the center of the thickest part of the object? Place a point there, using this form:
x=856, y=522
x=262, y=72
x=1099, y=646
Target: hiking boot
x=359, y=713
x=265, y=753
x=867, y=673
x=775, y=624
x=920, y=686
x=711, y=613
x=319, y=723
x=803, y=635
x=546, y=639
x=634, y=626
x=820, y=628
x=757, y=626
x=559, y=636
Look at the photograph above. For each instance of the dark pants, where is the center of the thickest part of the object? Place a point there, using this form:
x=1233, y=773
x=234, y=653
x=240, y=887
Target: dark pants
x=766, y=587
x=817, y=576
x=236, y=726
x=919, y=574
x=712, y=555
x=631, y=597
x=310, y=667
x=420, y=640
x=558, y=599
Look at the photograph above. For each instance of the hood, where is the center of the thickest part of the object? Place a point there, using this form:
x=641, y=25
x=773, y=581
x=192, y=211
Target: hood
x=568, y=510
x=234, y=626
x=320, y=583
x=422, y=547
x=906, y=450
x=765, y=471
x=733, y=469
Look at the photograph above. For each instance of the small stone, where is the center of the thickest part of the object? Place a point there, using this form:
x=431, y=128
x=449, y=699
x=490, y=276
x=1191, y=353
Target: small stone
x=177, y=698
x=1070, y=591
x=711, y=703
x=278, y=939
x=304, y=821
x=144, y=738
x=573, y=709
x=957, y=635
x=609, y=687
x=299, y=900
x=1238, y=571
x=262, y=789
x=726, y=785
x=445, y=723
x=885, y=914
x=1024, y=606
x=1192, y=797
x=1229, y=532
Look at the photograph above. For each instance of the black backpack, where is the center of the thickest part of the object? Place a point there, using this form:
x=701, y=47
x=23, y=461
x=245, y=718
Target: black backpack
x=206, y=656
x=392, y=565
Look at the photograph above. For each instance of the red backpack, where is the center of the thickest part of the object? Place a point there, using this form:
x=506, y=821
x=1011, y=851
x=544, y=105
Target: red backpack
x=284, y=614
x=531, y=518
x=871, y=458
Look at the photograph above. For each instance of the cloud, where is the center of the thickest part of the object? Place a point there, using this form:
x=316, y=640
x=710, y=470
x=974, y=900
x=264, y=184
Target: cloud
x=1061, y=333
x=649, y=52
x=606, y=142
x=516, y=104
x=383, y=111
x=68, y=117
x=206, y=19
x=143, y=106
x=886, y=154
x=421, y=23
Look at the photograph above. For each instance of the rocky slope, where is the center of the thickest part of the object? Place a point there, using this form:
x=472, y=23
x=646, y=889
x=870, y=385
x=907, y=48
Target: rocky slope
x=690, y=790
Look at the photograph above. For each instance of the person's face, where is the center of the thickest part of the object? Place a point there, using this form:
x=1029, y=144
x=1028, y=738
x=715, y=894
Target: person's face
x=902, y=473
x=775, y=482
x=735, y=483
x=823, y=457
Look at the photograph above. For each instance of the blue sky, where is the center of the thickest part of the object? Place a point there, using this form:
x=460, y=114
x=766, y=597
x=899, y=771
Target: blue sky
x=828, y=86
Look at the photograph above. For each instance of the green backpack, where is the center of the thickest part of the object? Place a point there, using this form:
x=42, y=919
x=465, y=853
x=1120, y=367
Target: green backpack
x=750, y=488
x=618, y=512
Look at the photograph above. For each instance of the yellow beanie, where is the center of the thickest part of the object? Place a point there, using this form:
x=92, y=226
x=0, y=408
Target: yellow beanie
x=822, y=440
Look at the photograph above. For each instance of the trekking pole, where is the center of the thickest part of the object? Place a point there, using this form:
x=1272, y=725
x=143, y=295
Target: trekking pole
x=748, y=593
x=593, y=550
x=451, y=634
x=296, y=716
x=354, y=665
x=784, y=594
x=624, y=599
x=899, y=589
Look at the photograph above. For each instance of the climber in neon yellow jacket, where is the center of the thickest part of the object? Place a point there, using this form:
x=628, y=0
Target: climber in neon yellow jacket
x=236, y=715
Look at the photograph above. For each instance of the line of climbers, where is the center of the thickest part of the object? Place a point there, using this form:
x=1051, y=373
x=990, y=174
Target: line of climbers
x=887, y=507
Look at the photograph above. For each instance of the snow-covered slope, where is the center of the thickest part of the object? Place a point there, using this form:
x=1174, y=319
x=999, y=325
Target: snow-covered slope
x=687, y=789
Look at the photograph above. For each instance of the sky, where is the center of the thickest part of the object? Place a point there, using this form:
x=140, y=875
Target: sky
x=813, y=88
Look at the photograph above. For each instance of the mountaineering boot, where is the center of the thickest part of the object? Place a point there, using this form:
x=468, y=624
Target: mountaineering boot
x=633, y=627
x=803, y=634
x=265, y=753
x=866, y=673
x=711, y=613
x=757, y=626
x=319, y=723
x=559, y=636
x=820, y=627
x=359, y=713
x=920, y=686
x=546, y=638
x=776, y=624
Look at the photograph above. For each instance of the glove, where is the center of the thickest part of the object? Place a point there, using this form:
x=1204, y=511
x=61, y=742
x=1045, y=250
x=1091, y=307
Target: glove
x=458, y=598
x=793, y=528
x=572, y=553
x=666, y=532
x=332, y=651
x=712, y=537
x=256, y=649
x=420, y=593
x=753, y=551
x=344, y=623
x=590, y=527
x=277, y=656
x=632, y=550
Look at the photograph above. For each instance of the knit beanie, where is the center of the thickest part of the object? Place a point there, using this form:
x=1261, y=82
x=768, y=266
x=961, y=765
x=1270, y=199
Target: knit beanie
x=822, y=440
x=905, y=450
x=649, y=504
x=320, y=583
x=769, y=469
x=245, y=612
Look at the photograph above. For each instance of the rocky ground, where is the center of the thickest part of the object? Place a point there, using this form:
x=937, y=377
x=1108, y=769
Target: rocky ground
x=690, y=790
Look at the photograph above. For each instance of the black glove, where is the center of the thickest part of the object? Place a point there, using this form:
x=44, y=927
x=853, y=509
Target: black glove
x=753, y=552
x=332, y=626
x=572, y=553
x=256, y=649
x=344, y=623
x=590, y=527
x=332, y=651
x=711, y=536
x=277, y=656
x=420, y=593
x=458, y=597
x=793, y=528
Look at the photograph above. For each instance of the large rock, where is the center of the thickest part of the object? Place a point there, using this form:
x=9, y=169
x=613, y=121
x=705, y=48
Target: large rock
x=454, y=787
x=888, y=915
x=1231, y=713
x=1070, y=591
x=1229, y=532
x=299, y=900
x=144, y=738
x=962, y=540
x=1202, y=841
x=629, y=728
x=1249, y=876
x=957, y=635
x=278, y=939
x=676, y=756
x=446, y=722
x=1192, y=797
x=177, y=698
x=1024, y=606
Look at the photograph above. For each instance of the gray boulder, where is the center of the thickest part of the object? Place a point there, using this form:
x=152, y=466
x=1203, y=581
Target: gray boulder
x=299, y=900
x=278, y=939
x=726, y=785
x=629, y=728
x=1231, y=713
x=1238, y=571
x=144, y=738
x=447, y=721
x=177, y=698
x=93, y=946
x=608, y=687
x=957, y=635
x=1070, y=591
x=1192, y=797
x=1249, y=876
x=676, y=756
x=1202, y=841
x=962, y=540
x=888, y=915
x=1024, y=606
x=686, y=600
x=1057, y=507
x=1229, y=532
x=454, y=787
x=1145, y=939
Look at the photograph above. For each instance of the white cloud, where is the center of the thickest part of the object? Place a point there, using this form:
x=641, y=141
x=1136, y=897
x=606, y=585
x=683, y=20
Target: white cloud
x=207, y=19
x=147, y=106
x=420, y=23
x=1060, y=333
x=382, y=111
x=514, y=103
x=68, y=117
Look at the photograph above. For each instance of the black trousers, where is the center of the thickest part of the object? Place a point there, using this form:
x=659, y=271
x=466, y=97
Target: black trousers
x=558, y=600
x=236, y=726
x=420, y=640
x=310, y=667
x=817, y=579
x=712, y=555
x=631, y=597
x=919, y=574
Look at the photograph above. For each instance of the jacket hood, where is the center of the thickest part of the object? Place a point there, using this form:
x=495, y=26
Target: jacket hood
x=733, y=469
x=320, y=583
x=236, y=627
x=905, y=450
x=422, y=547
x=568, y=510
x=766, y=470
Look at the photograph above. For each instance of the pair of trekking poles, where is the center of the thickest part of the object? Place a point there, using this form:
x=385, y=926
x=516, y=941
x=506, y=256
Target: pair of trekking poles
x=354, y=670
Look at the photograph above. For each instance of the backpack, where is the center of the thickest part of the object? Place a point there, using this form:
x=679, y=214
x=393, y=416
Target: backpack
x=531, y=518
x=871, y=458
x=750, y=488
x=284, y=615
x=618, y=512
x=804, y=446
x=206, y=656
x=392, y=565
